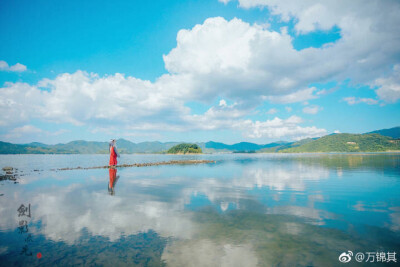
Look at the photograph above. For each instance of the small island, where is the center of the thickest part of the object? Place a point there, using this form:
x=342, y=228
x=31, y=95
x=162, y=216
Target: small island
x=185, y=149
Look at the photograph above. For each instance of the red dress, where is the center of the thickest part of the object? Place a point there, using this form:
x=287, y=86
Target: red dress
x=113, y=157
x=113, y=176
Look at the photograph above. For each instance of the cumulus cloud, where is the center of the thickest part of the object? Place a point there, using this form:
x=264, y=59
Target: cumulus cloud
x=298, y=96
x=236, y=59
x=278, y=128
x=19, y=102
x=351, y=100
x=87, y=99
x=231, y=117
x=18, y=68
x=217, y=117
x=389, y=87
x=368, y=48
x=15, y=68
x=246, y=64
x=81, y=98
x=314, y=109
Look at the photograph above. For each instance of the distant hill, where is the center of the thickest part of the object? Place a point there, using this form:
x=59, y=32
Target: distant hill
x=126, y=147
x=348, y=143
x=380, y=140
x=242, y=146
x=36, y=148
x=392, y=132
x=185, y=149
x=84, y=147
x=282, y=146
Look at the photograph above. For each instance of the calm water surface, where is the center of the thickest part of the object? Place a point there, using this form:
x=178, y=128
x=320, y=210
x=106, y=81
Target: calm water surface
x=243, y=210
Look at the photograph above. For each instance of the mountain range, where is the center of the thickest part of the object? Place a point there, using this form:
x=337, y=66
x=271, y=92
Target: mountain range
x=380, y=140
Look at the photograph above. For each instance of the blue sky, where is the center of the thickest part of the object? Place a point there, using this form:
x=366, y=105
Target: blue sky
x=227, y=71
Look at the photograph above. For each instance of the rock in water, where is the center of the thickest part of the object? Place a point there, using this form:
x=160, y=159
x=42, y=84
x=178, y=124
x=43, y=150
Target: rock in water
x=7, y=168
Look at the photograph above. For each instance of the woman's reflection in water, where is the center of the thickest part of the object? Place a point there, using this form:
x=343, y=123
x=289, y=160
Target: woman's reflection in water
x=113, y=180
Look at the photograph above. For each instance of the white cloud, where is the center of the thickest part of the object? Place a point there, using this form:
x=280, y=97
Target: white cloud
x=222, y=103
x=389, y=87
x=314, y=109
x=298, y=96
x=231, y=117
x=19, y=102
x=105, y=102
x=3, y=65
x=14, y=134
x=18, y=68
x=224, y=1
x=351, y=100
x=368, y=48
x=288, y=109
x=82, y=98
x=217, y=117
x=278, y=128
x=272, y=111
x=15, y=68
x=27, y=129
x=326, y=91
x=241, y=62
x=19, y=131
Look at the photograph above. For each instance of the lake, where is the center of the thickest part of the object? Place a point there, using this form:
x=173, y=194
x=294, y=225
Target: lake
x=242, y=210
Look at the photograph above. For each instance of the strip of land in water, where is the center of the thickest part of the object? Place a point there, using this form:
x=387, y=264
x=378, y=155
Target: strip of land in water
x=171, y=162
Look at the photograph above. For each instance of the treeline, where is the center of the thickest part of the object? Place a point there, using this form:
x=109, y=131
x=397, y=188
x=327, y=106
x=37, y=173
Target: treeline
x=185, y=149
x=348, y=143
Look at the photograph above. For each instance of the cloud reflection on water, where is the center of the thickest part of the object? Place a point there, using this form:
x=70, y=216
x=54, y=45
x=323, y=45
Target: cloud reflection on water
x=66, y=210
x=205, y=252
x=282, y=198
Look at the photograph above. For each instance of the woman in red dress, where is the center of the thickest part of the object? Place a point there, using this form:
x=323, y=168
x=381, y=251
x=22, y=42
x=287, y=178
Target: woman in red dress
x=113, y=153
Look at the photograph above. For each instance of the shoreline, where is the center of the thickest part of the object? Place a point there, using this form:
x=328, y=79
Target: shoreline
x=214, y=153
x=171, y=162
x=11, y=173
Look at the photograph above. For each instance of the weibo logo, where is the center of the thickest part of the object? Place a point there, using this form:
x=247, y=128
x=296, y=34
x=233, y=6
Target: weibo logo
x=345, y=257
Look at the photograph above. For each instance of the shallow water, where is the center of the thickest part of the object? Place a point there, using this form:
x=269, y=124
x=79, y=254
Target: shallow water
x=243, y=210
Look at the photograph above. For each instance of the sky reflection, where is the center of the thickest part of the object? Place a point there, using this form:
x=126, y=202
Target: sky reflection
x=211, y=213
